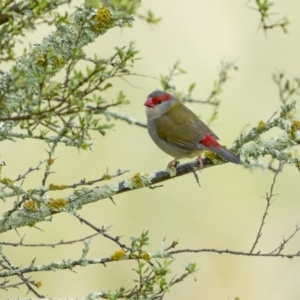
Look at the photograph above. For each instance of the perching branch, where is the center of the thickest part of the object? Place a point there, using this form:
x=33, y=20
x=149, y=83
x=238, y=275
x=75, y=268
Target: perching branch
x=33, y=207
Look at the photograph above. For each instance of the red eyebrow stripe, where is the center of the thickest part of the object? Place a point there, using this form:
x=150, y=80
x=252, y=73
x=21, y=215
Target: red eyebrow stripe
x=163, y=97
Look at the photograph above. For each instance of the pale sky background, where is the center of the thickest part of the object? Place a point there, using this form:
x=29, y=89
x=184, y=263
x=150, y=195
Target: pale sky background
x=225, y=213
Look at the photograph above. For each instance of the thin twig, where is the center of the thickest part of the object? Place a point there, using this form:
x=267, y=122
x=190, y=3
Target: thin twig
x=53, y=245
x=278, y=249
x=257, y=254
x=103, y=231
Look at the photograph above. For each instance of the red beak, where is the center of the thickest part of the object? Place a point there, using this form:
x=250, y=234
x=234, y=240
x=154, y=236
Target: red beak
x=149, y=103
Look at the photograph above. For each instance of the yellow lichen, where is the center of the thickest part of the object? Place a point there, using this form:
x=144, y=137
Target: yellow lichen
x=175, y=243
x=7, y=181
x=118, y=255
x=145, y=256
x=57, y=187
x=57, y=203
x=42, y=61
x=31, y=205
x=50, y=161
x=106, y=176
x=261, y=125
x=58, y=62
x=213, y=156
x=294, y=128
x=137, y=179
x=295, y=125
x=31, y=224
x=101, y=18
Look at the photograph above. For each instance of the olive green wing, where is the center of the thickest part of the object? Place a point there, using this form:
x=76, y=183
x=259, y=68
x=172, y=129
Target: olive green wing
x=182, y=131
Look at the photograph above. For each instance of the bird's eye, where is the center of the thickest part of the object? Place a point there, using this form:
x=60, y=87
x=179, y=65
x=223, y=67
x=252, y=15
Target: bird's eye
x=159, y=101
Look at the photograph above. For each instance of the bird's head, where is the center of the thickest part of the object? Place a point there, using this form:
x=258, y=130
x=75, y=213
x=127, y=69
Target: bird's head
x=158, y=103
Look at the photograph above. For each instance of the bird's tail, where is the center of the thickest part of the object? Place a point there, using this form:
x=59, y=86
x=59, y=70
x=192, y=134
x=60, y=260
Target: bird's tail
x=226, y=154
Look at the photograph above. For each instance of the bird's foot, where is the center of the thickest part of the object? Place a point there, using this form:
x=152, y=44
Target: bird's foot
x=172, y=167
x=177, y=163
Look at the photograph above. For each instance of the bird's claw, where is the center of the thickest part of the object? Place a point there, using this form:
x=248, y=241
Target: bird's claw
x=176, y=163
x=172, y=165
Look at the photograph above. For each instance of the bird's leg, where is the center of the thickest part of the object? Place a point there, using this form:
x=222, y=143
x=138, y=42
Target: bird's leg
x=173, y=164
x=200, y=161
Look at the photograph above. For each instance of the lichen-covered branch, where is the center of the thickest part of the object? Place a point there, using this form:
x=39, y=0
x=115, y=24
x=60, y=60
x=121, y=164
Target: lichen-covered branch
x=253, y=145
x=38, y=208
x=31, y=100
x=48, y=57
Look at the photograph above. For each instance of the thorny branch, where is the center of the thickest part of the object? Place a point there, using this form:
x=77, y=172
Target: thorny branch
x=7, y=265
x=268, y=198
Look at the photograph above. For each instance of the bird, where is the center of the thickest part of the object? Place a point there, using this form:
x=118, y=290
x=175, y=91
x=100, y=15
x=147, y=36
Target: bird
x=177, y=131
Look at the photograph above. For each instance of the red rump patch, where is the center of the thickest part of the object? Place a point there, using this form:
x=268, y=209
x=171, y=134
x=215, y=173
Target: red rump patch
x=161, y=98
x=209, y=141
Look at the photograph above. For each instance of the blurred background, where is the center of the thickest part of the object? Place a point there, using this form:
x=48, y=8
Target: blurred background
x=226, y=212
